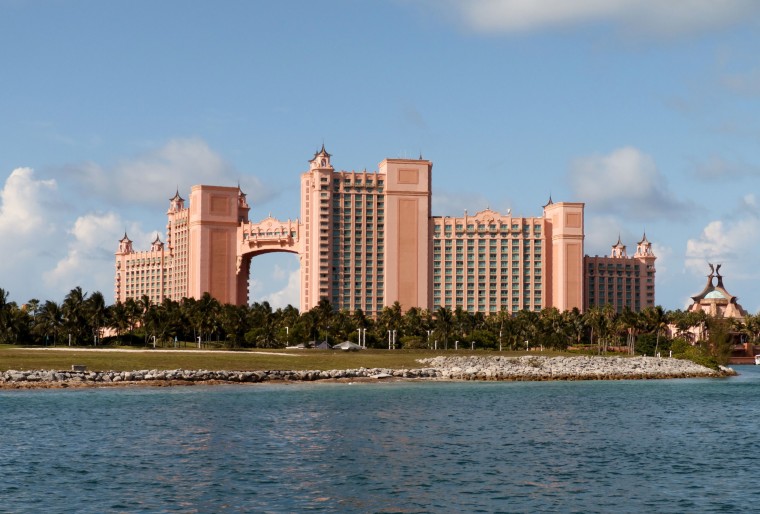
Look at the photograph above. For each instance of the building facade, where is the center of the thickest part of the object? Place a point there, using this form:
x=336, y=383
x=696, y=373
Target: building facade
x=491, y=261
x=620, y=280
x=366, y=240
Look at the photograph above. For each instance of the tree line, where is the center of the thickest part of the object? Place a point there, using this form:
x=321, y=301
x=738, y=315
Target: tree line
x=82, y=319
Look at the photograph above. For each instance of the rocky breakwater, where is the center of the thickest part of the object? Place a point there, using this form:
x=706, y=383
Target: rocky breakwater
x=568, y=368
x=51, y=378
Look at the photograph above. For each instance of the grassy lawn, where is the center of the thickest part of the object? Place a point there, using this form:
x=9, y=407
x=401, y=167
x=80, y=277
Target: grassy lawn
x=14, y=357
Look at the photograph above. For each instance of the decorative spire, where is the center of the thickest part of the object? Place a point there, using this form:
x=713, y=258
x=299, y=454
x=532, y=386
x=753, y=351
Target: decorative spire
x=550, y=202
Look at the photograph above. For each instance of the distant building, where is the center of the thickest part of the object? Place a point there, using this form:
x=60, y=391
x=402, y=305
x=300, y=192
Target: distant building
x=368, y=239
x=715, y=301
x=620, y=280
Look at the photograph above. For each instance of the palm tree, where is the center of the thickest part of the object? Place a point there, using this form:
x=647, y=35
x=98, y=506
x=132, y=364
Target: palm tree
x=97, y=313
x=264, y=325
x=656, y=321
x=444, y=322
x=49, y=321
x=75, y=316
x=594, y=319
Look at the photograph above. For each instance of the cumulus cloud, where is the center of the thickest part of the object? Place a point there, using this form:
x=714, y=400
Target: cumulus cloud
x=729, y=242
x=152, y=178
x=630, y=17
x=625, y=182
x=89, y=257
x=24, y=205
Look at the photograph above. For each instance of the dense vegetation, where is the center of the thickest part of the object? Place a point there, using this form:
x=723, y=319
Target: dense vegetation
x=81, y=318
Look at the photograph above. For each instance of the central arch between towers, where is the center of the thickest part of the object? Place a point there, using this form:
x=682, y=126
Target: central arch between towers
x=268, y=236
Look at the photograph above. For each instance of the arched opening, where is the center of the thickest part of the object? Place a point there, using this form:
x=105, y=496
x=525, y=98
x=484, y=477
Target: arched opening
x=275, y=277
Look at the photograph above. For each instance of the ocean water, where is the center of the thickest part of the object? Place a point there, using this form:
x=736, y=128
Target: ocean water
x=624, y=446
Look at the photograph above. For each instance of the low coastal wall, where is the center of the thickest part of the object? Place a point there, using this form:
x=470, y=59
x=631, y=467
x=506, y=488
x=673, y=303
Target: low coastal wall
x=534, y=368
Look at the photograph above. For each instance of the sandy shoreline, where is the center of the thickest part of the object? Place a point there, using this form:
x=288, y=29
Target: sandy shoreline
x=442, y=368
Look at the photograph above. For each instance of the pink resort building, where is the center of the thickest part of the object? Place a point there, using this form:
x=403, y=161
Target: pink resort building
x=620, y=280
x=368, y=239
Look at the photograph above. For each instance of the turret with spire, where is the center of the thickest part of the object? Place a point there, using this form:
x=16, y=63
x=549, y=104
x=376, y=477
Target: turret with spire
x=618, y=250
x=176, y=203
x=644, y=247
x=125, y=245
x=156, y=245
x=321, y=160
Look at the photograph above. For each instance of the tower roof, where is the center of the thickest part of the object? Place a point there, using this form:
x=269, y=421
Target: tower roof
x=717, y=294
x=322, y=152
x=176, y=197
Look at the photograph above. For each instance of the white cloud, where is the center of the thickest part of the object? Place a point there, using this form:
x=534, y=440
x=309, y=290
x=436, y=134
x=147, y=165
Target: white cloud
x=734, y=242
x=152, y=178
x=23, y=209
x=289, y=295
x=631, y=17
x=625, y=182
x=89, y=259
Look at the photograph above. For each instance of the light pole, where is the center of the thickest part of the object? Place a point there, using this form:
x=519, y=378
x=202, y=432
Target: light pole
x=428, y=341
x=499, y=340
x=456, y=345
x=287, y=336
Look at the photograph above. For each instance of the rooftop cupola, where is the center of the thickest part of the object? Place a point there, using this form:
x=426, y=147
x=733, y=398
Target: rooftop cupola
x=156, y=245
x=618, y=250
x=321, y=160
x=644, y=247
x=176, y=203
x=125, y=245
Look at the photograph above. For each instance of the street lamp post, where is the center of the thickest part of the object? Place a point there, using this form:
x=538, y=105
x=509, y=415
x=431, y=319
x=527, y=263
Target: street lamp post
x=287, y=336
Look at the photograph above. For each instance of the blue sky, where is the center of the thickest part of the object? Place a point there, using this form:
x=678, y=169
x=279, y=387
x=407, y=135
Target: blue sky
x=649, y=113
